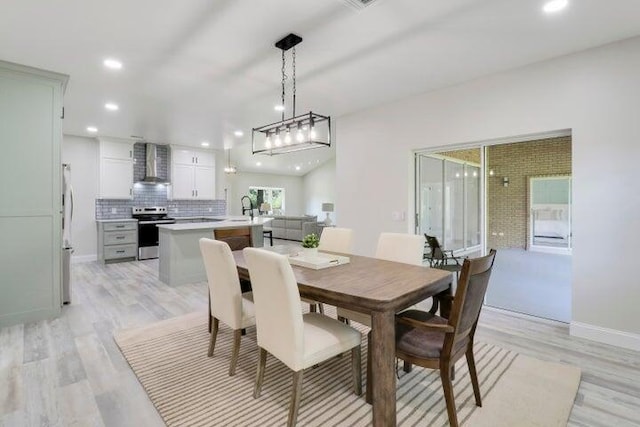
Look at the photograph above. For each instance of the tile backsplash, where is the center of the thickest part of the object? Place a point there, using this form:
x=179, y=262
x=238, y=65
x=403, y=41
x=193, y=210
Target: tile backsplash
x=156, y=195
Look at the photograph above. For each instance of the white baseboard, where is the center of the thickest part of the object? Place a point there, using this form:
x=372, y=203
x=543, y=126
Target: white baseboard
x=76, y=259
x=605, y=335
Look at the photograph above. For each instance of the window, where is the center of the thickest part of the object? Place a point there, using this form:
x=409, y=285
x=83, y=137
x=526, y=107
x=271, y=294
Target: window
x=273, y=196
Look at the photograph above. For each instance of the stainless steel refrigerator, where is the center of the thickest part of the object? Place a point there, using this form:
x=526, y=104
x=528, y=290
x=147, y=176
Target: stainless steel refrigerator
x=67, y=217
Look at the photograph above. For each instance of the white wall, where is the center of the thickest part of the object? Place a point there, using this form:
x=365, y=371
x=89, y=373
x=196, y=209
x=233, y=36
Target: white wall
x=318, y=187
x=595, y=93
x=238, y=186
x=82, y=154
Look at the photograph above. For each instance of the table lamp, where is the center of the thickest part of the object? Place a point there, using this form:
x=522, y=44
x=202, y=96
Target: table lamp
x=327, y=207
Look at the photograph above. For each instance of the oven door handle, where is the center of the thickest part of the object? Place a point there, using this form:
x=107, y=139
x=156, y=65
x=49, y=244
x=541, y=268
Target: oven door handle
x=169, y=221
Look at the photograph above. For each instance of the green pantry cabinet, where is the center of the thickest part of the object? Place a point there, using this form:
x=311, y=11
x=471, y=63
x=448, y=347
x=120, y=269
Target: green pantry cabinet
x=31, y=112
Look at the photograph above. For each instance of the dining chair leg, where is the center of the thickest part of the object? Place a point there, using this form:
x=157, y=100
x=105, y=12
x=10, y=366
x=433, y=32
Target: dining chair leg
x=214, y=334
x=447, y=387
x=237, y=335
x=474, y=375
x=344, y=320
x=356, y=367
x=321, y=307
x=262, y=362
x=209, y=309
x=295, y=398
x=453, y=372
x=312, y=308
x=369, y=389
x=407, y=366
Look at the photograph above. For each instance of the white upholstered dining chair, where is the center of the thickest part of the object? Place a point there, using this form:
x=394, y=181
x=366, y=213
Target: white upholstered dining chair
x=335, y=239
x=398, y=247
x=298, y=340
x=227, y=302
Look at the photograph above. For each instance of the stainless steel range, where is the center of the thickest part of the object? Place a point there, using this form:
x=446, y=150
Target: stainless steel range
x=148, y=219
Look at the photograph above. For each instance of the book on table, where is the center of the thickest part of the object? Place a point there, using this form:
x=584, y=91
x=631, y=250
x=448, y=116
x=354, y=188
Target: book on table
x=319, y=261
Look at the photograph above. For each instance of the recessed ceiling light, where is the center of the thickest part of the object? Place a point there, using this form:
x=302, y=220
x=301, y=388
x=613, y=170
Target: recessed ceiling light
x=238, y=133
x=258, y=164
x=92, y=129
x=279, y=108
x=204, y=143
x=555, y=6
x=111, y=106
x=297, y=168
x=114, y=64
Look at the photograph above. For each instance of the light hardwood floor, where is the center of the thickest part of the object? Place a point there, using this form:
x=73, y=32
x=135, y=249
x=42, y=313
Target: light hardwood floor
x=69, y=371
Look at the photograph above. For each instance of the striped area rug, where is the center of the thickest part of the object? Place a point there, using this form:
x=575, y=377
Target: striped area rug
x=190, y=389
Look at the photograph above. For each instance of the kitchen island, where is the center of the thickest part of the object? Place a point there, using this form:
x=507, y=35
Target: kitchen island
x=180, y=259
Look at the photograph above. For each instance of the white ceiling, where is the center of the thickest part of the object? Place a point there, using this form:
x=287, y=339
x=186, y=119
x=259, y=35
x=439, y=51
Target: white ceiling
x=197, y=70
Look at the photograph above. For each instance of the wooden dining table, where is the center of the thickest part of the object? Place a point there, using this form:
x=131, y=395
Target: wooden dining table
x=379, y=288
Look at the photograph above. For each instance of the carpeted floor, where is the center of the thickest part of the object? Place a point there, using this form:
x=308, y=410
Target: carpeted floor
x=190, y=389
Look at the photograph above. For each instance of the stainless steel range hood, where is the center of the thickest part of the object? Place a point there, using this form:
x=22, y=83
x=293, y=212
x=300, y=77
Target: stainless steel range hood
x=151, y=169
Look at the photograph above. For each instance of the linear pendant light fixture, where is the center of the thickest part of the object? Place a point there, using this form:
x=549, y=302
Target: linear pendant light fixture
x=296, y=133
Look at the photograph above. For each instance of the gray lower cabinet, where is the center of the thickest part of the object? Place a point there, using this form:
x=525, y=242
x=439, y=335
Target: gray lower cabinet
x=117, y=241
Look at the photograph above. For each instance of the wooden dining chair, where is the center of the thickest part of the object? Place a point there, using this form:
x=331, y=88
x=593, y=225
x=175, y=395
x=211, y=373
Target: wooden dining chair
x=433, y=342
x=237, y=239
x=299, y=340
x=226, y=300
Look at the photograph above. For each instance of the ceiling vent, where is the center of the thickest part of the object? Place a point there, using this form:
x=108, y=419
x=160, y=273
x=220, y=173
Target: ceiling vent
x=359, y=4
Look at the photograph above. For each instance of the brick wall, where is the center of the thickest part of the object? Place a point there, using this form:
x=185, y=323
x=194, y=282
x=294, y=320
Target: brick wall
x=469, y=155
x=508, y=207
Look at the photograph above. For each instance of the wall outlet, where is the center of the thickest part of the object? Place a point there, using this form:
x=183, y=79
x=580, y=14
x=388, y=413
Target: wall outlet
x=175, y=210
x=210, y=210
x=114, y=210
x=494, y=234
x=501, y=234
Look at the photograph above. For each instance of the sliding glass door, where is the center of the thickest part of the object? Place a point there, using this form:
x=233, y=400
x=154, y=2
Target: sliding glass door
x=448, y=201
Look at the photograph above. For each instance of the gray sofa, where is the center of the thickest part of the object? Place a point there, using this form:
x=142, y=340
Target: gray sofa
x=293, y=227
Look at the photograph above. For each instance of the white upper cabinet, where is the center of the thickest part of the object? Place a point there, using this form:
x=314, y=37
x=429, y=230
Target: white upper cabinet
x=116, y=169
x=182, y=186
x=205, y=158
x=182, y=156
x=192, y=174
x=190, y=156
x=205, y=182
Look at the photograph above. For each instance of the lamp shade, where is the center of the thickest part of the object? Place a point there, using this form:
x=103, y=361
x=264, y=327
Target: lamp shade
x=327, y=207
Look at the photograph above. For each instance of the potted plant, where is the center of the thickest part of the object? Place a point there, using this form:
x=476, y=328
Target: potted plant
x=310, y=245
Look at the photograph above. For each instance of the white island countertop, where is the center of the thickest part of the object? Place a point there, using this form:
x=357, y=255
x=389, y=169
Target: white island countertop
x=218, y=222
x=180, y=258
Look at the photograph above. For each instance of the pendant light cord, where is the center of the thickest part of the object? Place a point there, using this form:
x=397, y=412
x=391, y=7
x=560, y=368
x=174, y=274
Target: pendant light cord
x=284, y=77
x=294, y=81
